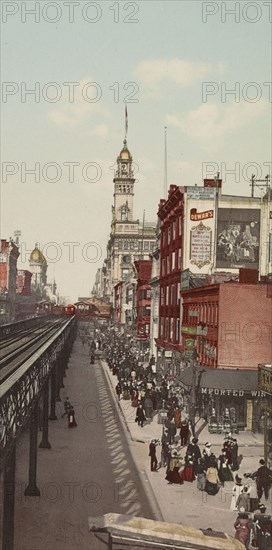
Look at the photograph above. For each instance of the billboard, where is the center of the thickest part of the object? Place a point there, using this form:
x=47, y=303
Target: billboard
x=238, y=238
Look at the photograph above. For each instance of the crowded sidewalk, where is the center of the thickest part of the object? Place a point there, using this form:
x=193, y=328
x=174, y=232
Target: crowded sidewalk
x=185, y=503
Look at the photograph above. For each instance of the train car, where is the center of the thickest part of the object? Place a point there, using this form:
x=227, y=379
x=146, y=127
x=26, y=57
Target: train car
x=69, y=310
x=58, y=310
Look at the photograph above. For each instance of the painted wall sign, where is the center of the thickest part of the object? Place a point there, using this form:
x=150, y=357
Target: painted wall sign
x=238, y=238
x=200, y=193
x=186, y=329
x=232, y=393
x=265, y=379
x=200, y=245
x=197, y=216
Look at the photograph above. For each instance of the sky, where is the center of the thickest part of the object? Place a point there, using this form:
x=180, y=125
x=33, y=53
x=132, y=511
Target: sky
x=203, y=69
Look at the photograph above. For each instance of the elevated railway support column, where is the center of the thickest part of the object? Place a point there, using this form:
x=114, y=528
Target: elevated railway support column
x=58, y=380
x=53, y=415
x=32, y=489
x=9, y=500
x=44, y=444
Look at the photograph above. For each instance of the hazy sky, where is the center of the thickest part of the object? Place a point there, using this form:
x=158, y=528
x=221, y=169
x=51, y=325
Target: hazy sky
x=174, y=63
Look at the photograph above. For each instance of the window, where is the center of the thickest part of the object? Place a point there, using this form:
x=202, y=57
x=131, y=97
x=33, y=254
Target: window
x=178, y=294
x=174, y=230
x=123, y=213
x=161, y=327
x=162, y=296
x=173, y=261
x=125, y=245
x=168, y=234
x=179, y=225
x=131, y=245
x=146, y=245
x=171, y=328
x=166, y=328
x=179, y=258
x=172, y=294
x=166, y=295
x=177, y=329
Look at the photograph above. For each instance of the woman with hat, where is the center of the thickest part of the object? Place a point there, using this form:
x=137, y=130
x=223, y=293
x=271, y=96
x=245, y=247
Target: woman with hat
x=212, y=480
x=243, y=526
x=172, y=474
x=236, y=492
x=184, y=432
x=224, y=470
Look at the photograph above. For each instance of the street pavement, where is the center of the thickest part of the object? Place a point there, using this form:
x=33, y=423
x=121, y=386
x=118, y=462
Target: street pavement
x=185, y=503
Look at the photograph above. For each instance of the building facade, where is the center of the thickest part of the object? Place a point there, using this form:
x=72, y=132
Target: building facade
x=143, y=302
x=226, y=329
x=9, y=254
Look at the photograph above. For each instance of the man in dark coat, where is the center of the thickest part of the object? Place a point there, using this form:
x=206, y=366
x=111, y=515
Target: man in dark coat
x=262, y=479
x=193, y=451
x=152, y=454
x=234, y=455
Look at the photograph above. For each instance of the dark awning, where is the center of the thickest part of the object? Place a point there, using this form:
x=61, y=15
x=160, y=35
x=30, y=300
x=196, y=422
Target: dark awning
x=222, y=379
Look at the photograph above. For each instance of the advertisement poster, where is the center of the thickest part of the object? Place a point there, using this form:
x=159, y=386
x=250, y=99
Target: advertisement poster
x=200, y=245
x=238, y=238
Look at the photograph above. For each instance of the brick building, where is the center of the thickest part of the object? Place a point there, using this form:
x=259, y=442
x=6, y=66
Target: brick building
x=233, y=333
x=9, y=254
x=143, y=301
x=170, y=214
x=23, y=282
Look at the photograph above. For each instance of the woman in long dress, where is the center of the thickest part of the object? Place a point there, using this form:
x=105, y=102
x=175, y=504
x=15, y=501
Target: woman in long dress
x=224, y=471
x=172, y=474
x=236, y=491
x=187, y=473
x=243, y=526
x=212, y=480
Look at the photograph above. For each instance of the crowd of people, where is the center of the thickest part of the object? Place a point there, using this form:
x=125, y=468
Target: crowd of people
x=253, y=527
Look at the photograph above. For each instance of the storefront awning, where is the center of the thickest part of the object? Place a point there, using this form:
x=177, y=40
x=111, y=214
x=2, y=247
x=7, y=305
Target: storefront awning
x=221, y=379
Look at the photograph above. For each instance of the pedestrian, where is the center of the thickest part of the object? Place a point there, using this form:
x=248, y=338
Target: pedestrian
x=148, y=406
x=172, y=430
x=224, y=471
x=172, y=474
x=193, y=450
x=184, y=432
x=187, y=473
x=118, y=390
x=165, y=451
x=207, y=455
x=212, y=480
x=177, y=417
x=153, y=457
x=234, y=454
x=263, y=476
x=262, y=529
x=243, y=500
x=67, y=406
x=92, y=359
x=71, y=419
x=243, y=526
x=236, y=491
x=140, y=416
x=201, y=475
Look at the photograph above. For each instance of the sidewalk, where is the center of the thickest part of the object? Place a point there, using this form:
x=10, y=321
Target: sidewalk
x=184, y=503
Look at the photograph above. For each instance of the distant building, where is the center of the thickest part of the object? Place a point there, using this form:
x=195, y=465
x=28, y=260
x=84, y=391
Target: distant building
x=23, y=282
x=143, y=301
x=9, y=254
x=38, y=268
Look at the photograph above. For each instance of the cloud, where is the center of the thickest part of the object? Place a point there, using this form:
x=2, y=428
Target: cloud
x=85, y=102
x=151, y=73
x=210, y=123
x=100, y=130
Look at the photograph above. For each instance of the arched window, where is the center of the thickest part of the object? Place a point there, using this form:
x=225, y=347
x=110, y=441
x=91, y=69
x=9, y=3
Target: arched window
x=123, y=213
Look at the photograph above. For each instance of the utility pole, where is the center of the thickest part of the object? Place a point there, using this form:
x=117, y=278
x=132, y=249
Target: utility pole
x=254, y=183
x=193, y=395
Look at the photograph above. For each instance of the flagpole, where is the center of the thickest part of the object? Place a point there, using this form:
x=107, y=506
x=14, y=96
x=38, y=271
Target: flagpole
x=165, y=162
x=126, y=122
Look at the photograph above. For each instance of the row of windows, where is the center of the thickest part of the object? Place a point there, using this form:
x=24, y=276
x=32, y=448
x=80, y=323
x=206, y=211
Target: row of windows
x=172, y=232
x=134, y=245
x=170, y=329
x=171, y=263
x=206, y=312
x=170, y=295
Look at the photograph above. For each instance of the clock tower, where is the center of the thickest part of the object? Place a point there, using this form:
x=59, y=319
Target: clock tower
x=122, y=210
